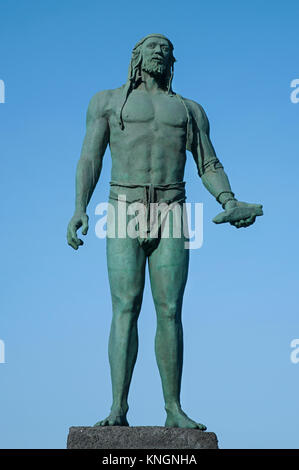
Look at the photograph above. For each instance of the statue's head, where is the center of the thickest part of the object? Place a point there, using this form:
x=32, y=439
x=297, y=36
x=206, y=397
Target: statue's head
x=152, y=54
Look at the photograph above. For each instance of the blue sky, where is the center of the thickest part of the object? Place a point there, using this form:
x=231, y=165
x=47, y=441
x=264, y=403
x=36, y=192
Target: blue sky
x=240, y=311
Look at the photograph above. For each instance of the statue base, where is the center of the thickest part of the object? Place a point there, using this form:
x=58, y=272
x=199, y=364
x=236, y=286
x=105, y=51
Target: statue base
x=139, y=437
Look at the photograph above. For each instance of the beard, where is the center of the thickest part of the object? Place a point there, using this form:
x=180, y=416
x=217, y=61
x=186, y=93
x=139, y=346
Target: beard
x=155, y=68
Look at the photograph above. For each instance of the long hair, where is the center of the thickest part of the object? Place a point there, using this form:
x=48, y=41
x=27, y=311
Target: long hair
x=135, y=67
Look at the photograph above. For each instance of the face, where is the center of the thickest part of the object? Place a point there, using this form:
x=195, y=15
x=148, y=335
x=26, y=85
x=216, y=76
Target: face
x=156, y=55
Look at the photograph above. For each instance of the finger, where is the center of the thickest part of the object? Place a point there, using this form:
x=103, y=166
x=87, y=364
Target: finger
x=70, y=239
x=73, y=234
x=244, y=225
x=85, y=224
x=75, y=243
x=78, y=242
x=239, y=223
x=221, y=218
x=72, y=243
x=250, y=220
x=258, y=208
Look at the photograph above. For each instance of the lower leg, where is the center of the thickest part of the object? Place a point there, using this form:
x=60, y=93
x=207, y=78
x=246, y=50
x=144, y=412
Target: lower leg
x=169, y=355
x=123, y=347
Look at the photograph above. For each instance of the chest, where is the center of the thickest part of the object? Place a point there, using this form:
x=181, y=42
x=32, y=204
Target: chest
x=161, y=108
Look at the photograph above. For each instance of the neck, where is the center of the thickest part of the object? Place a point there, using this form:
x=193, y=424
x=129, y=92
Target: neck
x=152, y=83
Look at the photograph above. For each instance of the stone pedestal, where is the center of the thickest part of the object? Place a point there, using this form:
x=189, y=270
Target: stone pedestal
x=139, y=437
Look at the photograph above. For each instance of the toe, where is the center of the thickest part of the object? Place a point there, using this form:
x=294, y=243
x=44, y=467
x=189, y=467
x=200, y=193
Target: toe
x=101, y=423
x=202, y=427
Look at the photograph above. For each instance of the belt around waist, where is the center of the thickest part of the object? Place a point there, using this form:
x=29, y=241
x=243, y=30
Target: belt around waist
x=147, y=192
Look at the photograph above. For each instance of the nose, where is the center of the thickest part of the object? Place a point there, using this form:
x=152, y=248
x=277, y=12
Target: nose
x=158, y=49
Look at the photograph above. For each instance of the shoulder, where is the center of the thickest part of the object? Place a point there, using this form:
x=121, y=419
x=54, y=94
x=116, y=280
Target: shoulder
x=100, y=103
x=198, y=113
x=196, y=109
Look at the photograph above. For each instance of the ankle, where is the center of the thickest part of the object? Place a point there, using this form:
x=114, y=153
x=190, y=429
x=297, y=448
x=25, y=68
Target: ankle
x=172, y=407
x=119, y=410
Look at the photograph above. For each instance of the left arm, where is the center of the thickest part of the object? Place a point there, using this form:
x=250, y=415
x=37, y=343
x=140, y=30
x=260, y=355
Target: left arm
x=213, y=176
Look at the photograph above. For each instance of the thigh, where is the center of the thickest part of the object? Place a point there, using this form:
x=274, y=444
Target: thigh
x=126, y=262
x=168, y=269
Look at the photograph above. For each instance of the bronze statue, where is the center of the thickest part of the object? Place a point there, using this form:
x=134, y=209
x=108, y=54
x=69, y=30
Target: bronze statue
x=148, y=128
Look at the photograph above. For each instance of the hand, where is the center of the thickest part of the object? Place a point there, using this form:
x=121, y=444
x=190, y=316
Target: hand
x=78, y=220
x=239, y=214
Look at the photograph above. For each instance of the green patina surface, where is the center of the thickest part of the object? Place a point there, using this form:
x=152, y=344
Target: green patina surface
x=149, y=128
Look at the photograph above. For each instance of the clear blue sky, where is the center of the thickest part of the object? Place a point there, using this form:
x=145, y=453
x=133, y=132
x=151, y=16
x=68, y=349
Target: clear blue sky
x=241, y=303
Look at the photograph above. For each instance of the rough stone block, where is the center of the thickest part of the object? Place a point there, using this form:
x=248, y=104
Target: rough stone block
x=139, y=437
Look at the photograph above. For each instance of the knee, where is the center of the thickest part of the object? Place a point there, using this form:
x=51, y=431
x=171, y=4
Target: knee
x=169, y=312
x=126, y=307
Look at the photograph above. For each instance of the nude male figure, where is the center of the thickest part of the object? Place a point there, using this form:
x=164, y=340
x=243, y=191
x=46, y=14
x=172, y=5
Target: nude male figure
x=148, y=128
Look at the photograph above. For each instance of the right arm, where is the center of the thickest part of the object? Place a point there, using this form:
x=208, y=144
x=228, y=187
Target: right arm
x=90, y=164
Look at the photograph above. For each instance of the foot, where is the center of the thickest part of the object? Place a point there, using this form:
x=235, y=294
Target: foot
x=114, y=419
x=179, y=419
